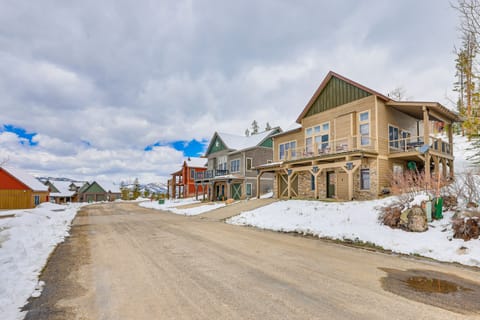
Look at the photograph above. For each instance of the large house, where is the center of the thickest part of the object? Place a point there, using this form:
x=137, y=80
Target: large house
x=20, y=190
x=351, y=139
x=230, y=170
x=182, y=183
x=61, y=191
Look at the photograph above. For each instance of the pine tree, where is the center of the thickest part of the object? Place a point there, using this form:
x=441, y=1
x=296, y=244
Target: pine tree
x=247, y=132
x=255, y=127
x=136, y=189
x=268, y=127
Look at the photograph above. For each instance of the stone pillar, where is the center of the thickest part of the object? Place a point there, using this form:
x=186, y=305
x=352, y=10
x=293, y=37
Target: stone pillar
x=259, y=176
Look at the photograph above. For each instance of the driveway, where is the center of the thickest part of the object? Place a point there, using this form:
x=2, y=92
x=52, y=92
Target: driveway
x=127, y=262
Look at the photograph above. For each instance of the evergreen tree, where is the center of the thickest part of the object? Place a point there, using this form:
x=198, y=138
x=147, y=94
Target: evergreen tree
x=268, y=127
x=136, y=189
x=255, y=127
x=247, y=132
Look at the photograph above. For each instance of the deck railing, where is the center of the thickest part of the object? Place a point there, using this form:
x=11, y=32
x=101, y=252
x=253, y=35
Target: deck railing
x=415, y=143
x=209, y=174
x=330, y=147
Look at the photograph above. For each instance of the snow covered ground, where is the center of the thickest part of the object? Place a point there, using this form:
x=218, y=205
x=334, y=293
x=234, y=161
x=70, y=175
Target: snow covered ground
x=357, y=221
x=26, y=241
x=172, y=206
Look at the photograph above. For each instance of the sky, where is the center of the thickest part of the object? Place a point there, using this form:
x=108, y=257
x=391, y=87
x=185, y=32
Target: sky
x=121, y=89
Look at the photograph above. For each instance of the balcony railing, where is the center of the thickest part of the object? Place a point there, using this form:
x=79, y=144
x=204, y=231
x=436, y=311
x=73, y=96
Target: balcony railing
x=355, y=143
x=414, y=144
x=209, y=174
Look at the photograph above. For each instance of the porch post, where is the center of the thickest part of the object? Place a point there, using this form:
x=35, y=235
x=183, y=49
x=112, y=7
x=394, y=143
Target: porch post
x=228, y=190
x=196, y=191
x=450, y=137
x=452, y=173
x=444, y=168
x=426, y=126
x=258, y=184
x=427, y=168
x=289, y=184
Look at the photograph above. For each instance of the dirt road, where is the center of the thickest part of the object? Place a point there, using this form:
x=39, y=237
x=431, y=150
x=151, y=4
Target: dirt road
x=127, y=262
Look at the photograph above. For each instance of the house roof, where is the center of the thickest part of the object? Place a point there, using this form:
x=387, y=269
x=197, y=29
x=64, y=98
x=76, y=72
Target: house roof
x=195, y=162
x=238, y=143
x=63, y=188
x=325, y=82
x=415, y=109
x=110, y=186
x=26, y=178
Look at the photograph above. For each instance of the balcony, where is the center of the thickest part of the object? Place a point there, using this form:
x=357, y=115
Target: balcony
x=413, y=144
x=331, y=147
x=210, y=174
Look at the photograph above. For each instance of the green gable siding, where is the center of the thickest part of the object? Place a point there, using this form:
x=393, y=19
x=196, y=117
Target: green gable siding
x=336, y=93
x=268, y=143
x=94, y=188
x=217, y=145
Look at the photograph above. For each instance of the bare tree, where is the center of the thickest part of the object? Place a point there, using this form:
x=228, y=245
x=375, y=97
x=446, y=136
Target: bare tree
x=398, y=94
x=4, y=161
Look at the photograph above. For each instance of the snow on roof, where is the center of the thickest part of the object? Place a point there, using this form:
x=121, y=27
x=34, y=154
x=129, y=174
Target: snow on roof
x=26, y=178
x=243, y=142
x=63, y=188
x=110, y=186
x=195, y=162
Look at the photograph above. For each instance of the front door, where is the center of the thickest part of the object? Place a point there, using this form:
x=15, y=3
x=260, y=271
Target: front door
x=330, y=184
x=236, y=191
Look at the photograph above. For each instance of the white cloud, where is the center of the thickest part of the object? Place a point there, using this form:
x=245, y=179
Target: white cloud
x=124, y=75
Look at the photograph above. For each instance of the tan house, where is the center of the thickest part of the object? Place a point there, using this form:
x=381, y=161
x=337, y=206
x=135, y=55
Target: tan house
x=350, y=140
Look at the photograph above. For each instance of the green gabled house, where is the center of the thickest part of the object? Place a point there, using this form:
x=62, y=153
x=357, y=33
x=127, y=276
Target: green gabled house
x=92, y=192
x=231, y=165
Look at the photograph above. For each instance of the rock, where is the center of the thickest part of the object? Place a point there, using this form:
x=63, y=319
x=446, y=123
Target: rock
x=417, y=220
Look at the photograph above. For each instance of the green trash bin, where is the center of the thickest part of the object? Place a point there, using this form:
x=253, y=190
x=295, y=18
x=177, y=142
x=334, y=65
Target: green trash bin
x=438, y=205
x=161, y=201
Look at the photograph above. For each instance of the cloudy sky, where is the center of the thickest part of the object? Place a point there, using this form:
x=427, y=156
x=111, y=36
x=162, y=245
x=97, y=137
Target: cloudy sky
x=120, y=89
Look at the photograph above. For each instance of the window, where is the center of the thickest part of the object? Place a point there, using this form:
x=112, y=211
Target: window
x=284, y=147
x=248, y=163
x=365, y=179
x=37, y=200
x=318, y=135
x=393, y=136
x=249, y=189
x=235, y=165
x=312, y=182
x=192, y=173
x=364, y=128
x=222, y=163
x=397, y=169
x=405, y=138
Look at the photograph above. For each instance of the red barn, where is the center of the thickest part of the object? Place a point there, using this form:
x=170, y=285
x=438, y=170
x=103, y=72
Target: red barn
x=182, y=184
x=20, y=190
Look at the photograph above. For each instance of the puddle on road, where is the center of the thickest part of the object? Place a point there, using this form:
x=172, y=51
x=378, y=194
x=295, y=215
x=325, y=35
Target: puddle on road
x=435, y=288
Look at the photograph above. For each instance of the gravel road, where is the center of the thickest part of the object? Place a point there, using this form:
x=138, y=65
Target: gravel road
x=127, y=262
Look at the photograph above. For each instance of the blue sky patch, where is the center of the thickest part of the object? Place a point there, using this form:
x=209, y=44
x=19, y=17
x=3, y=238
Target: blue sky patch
x=22, y=133
x=192, y=148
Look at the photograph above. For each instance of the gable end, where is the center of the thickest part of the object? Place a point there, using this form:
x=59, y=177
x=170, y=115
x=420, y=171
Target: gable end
x=336, y=92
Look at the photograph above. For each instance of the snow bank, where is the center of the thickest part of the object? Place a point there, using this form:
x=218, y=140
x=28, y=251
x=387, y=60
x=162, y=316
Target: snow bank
x=358, y=221
x=172, y=206
x=26, y=242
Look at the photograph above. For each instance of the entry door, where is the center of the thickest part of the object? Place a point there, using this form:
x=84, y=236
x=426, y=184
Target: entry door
x=342, y=185
x=330, y=184
x=236, y=191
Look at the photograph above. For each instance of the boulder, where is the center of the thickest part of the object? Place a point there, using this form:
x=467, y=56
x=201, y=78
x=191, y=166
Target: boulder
x=417, y=220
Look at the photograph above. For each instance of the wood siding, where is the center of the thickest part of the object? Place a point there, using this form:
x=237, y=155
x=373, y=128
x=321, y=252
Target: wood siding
x=337, y=92
x=20, y=199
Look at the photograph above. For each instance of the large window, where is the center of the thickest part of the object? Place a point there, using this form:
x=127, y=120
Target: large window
x=364, y=128
x=393, y=136
x=222, y=163
x=192, y=173
x=365, y=179
x=318, y=135
x=235, y=165
x=286, y=147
